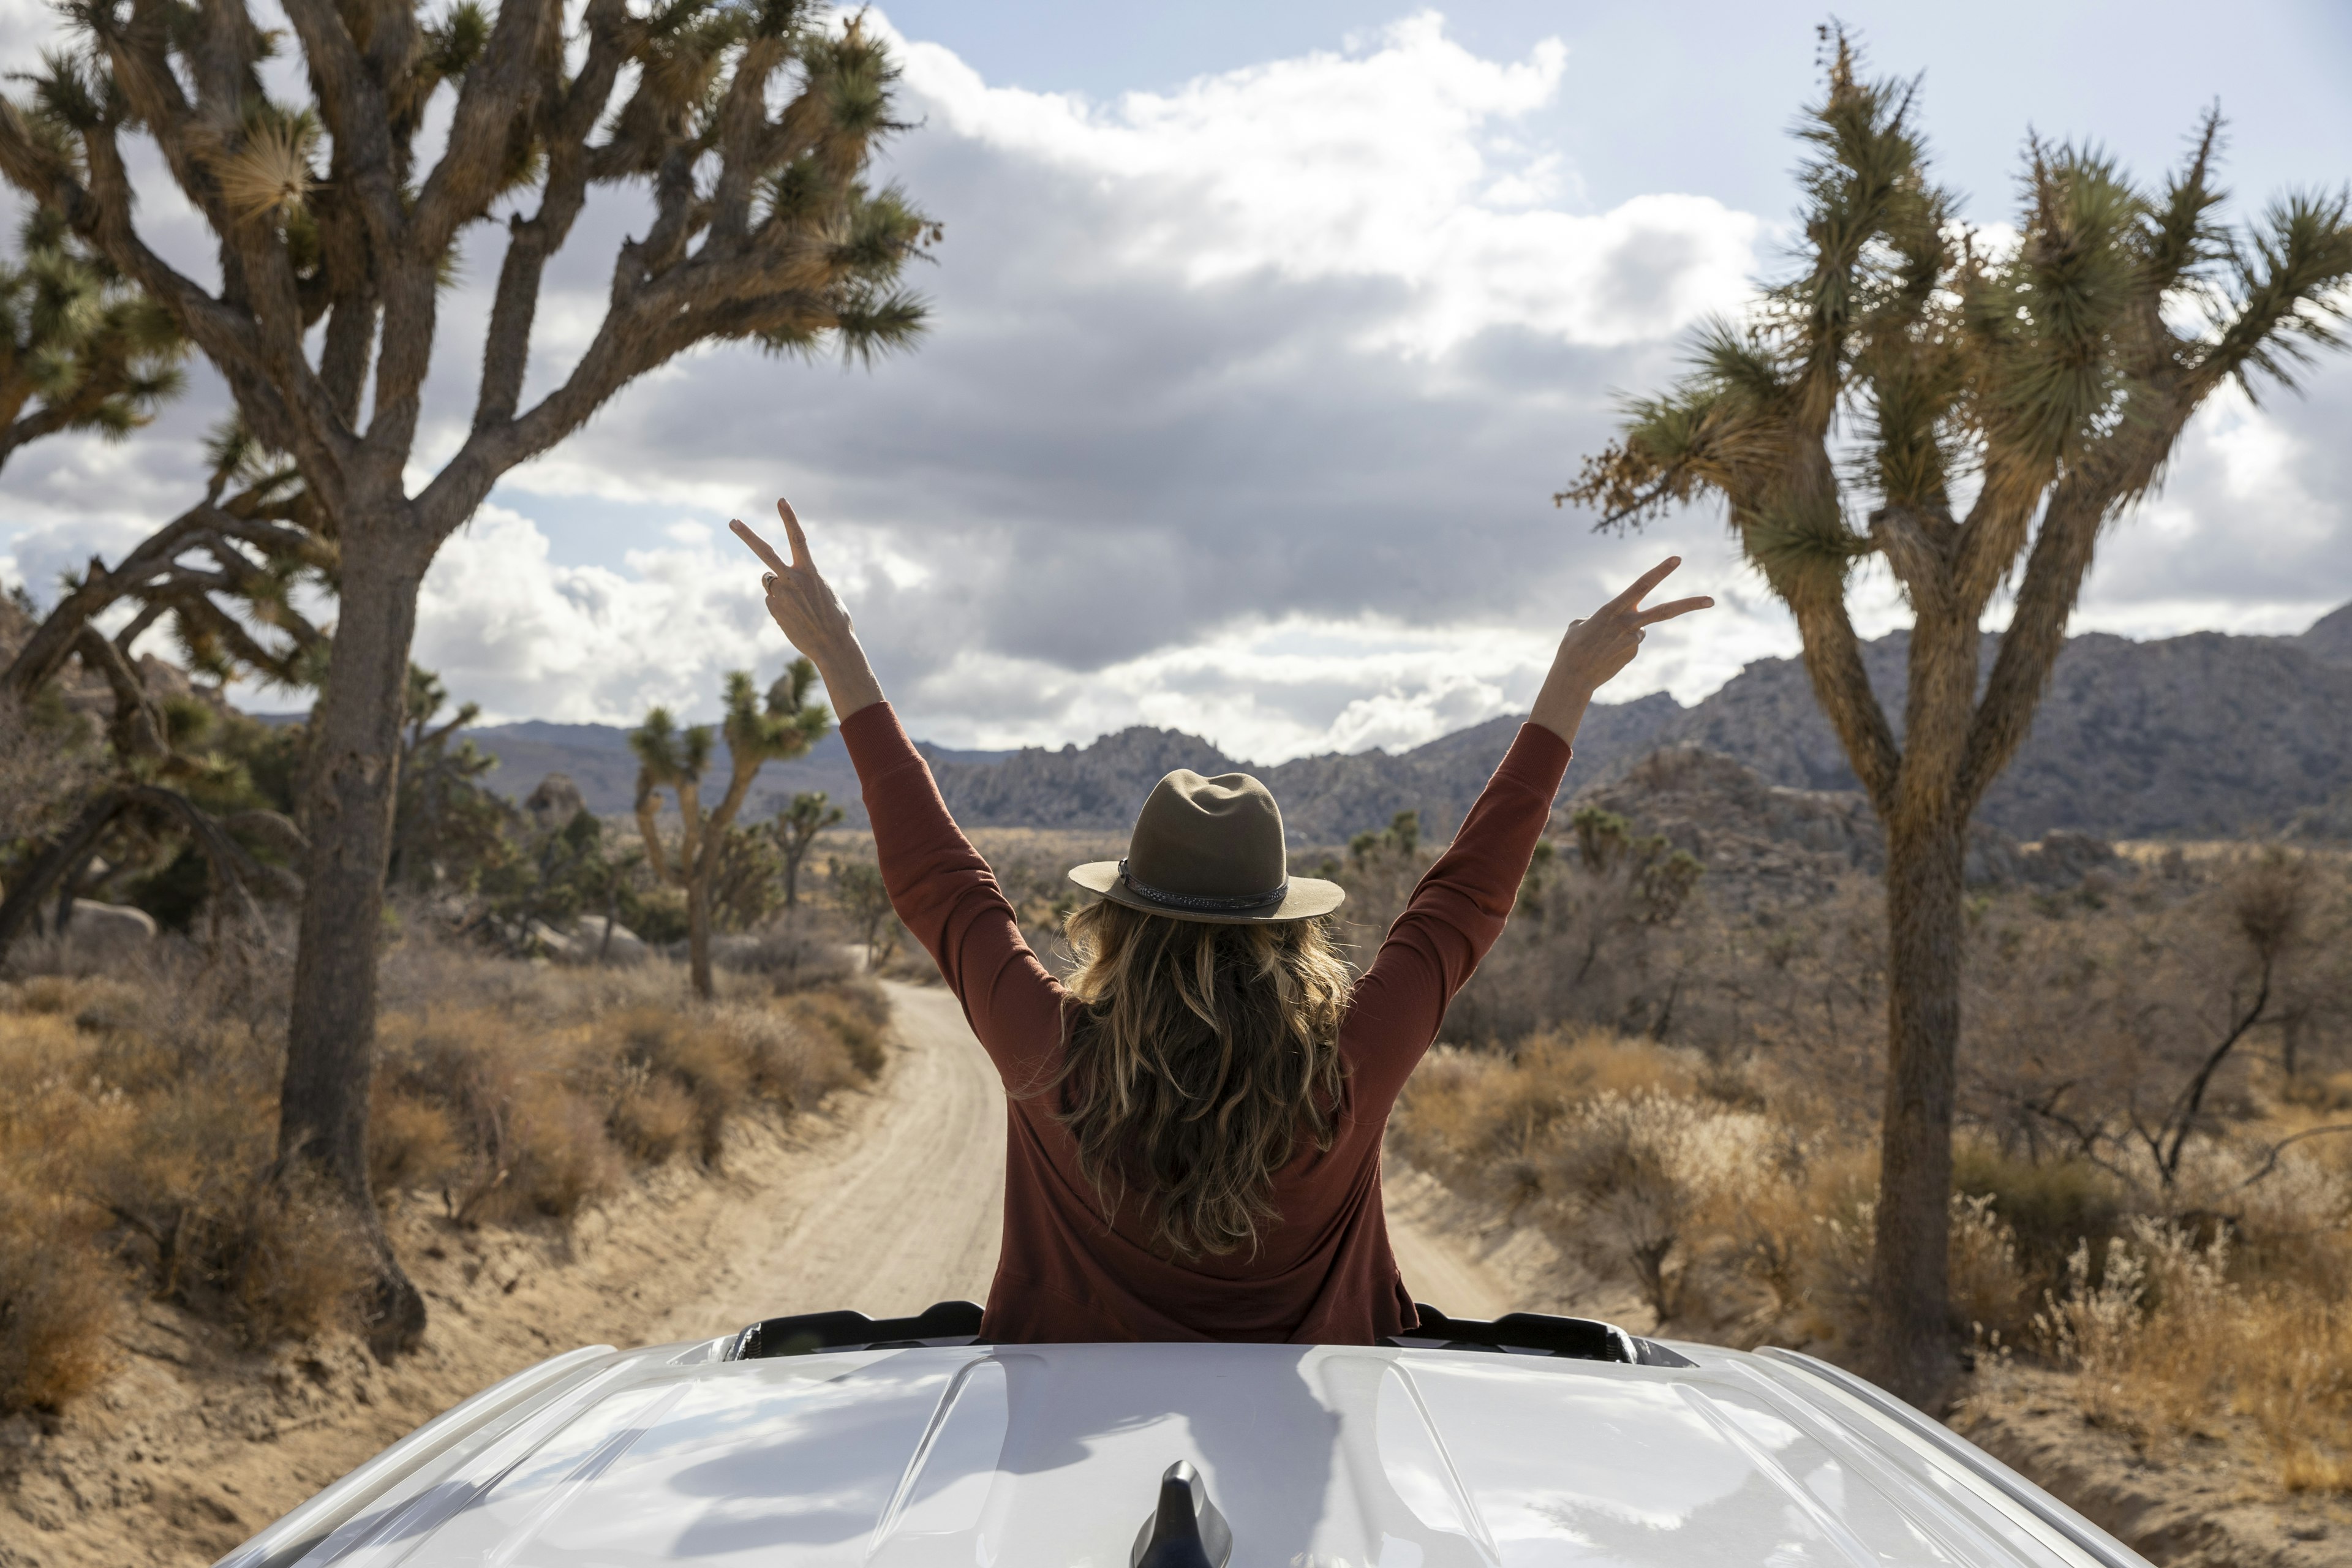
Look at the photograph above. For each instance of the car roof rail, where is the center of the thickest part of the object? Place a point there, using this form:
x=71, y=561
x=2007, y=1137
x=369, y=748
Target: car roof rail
x=1534, y=1334
x=952, y=1323
x=940, y=1323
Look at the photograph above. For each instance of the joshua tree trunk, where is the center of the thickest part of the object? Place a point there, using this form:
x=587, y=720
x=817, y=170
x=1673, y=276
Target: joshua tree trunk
x=1909, y=1266
x=351, y=784
x=697, y=934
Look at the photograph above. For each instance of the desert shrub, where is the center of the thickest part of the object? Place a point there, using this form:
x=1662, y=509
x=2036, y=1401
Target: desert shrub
x=556, y=1157
x=526, y=1141
x=651, y=1117
x=701, y=1063
x=856, y=1014
x=791, y=957
x=789, y=1064
x=297, y=1265
x=1989, y=1290
x=60, y=1301
x=2049, y=1207
x=411, y=1142
x=2170, y=1343
x=1627, y=1176
x=1474, y=1109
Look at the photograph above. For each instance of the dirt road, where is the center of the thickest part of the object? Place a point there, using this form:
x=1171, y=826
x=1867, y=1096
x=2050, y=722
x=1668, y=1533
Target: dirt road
x=903, y=1208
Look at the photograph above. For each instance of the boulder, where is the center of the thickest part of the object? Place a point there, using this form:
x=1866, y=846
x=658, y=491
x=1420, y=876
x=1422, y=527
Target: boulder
x=108, y=933
x=589, y=944
x=543, y=941
x=553, y=805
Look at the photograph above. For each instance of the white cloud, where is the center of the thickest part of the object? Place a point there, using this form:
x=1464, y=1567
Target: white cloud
x=527, y=637
x=1397, y=162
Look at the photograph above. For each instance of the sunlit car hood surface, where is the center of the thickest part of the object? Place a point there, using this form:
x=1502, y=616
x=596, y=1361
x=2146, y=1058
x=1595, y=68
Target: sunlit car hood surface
x=1050, y=1456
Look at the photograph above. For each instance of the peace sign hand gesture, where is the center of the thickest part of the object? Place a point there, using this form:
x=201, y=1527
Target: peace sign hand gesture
x=1602, y=644
x=809, y=613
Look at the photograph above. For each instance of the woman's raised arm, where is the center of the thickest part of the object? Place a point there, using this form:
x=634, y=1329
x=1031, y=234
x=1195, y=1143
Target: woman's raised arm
x=938, y=883
x=1458, y=909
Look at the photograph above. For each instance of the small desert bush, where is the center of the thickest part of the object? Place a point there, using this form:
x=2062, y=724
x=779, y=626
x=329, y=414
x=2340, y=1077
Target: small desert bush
x=60, y=1301
x=2049, y=1207
x=2168, y=1343
x=856, y=1015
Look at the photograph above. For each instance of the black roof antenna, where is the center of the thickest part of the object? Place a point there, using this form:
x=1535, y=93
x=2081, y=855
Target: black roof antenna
x=1185, y=1531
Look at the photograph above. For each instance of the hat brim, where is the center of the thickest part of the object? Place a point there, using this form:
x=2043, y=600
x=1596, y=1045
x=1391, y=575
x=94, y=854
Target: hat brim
x=1306, y=898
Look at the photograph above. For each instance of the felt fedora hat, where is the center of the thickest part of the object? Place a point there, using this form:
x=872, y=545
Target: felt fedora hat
x=1210, y=849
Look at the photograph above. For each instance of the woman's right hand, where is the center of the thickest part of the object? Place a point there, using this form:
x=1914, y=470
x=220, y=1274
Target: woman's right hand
x=806, y=610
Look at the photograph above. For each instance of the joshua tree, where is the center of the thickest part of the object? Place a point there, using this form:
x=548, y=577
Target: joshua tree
x=223, y=574
x=748, y=126
x=796, y=827
x=858, y=888
x=79, y=348
x=782, y=727
x=2002, y=404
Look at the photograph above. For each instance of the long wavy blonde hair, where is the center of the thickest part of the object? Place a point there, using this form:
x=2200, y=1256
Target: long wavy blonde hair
x=1202, y=1055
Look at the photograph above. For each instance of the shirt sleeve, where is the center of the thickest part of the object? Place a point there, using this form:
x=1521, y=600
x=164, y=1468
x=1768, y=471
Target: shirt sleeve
x=949, y=899
x=1455, y=914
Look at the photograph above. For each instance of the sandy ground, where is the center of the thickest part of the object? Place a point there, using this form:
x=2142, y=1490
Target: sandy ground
x=887, y=1202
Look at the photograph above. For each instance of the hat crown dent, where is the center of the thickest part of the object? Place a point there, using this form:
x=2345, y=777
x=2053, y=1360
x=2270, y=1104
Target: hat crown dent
x=1209, y=837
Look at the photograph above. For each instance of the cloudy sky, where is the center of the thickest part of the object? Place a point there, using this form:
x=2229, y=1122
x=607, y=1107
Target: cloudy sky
x=1262, y=336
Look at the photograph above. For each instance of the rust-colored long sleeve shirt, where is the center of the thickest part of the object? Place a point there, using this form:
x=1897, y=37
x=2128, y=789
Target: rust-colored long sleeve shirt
x=1323, y=1273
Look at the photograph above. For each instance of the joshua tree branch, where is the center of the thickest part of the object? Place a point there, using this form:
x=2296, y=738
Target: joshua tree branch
x=502, y=90
x=506, y=349
x=1842, y=684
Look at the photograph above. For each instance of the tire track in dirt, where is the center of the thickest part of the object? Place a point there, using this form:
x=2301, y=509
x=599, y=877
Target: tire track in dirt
x=897, y=1210
x=902, y=1208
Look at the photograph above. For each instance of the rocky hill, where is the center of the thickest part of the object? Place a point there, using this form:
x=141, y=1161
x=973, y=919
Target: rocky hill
x=2200, y=735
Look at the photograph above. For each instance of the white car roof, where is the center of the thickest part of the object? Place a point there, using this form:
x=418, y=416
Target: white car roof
x=1052, y=1457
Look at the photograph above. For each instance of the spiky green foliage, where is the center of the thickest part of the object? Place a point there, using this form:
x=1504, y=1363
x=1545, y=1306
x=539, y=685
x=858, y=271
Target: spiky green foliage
x=79, y=348
x=1919, y=391
x=795, y=830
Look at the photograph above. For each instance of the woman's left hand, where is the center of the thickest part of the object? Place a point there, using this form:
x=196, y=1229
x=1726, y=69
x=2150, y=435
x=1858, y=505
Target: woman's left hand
x=1601, y=644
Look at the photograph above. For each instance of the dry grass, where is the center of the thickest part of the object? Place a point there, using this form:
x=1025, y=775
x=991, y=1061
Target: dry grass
x=2172, y=1341
x=2213, y=1307
x=137, y=1136
x=533, y=1094
x=59, y=1301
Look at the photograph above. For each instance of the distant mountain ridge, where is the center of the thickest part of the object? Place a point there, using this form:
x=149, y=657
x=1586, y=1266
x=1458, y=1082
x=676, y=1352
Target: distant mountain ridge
x=2207, y=734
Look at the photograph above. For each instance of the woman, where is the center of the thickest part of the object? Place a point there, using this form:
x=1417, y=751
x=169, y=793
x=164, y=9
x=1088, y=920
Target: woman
x=1195, y=1121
